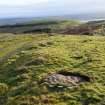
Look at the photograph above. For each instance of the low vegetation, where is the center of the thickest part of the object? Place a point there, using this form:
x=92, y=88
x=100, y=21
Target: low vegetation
x=26, y=59
x=57, y=26
x=41, y=26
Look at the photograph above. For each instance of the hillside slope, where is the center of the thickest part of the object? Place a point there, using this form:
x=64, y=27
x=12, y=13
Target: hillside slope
x=42, y=26
x=26, y=59
x=57, y=26
x=88, y=28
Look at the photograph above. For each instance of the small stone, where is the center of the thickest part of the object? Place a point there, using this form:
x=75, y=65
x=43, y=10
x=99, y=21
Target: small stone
x=69, y=87
x=60, y=86
x=51, y=86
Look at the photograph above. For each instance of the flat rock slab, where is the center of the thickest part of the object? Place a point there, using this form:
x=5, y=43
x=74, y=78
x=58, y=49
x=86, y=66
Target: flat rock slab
x=65, y=79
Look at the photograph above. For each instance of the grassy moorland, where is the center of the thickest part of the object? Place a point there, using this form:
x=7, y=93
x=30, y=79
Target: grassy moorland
x=41, y=26
x=26, y=59
x=57, y=26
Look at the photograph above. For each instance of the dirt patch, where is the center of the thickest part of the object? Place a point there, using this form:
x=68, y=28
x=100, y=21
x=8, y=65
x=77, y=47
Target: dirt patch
x=62, y=79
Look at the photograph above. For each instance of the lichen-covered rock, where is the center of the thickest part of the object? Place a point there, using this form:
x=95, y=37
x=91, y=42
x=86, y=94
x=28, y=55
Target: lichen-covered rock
x=63, y=80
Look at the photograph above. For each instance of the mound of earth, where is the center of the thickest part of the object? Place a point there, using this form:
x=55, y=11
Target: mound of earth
x=65, y=79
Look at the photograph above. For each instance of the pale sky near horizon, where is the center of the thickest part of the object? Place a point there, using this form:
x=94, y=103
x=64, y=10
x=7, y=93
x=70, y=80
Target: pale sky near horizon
x=22, y=8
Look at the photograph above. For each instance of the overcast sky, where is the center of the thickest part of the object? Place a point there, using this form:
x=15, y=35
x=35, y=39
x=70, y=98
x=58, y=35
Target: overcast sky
x=22, y=8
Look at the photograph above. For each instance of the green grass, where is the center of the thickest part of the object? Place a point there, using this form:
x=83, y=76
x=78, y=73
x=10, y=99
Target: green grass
x=26, y=59
x=41, y=26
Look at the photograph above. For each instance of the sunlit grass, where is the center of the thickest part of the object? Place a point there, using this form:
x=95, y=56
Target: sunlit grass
x=26, y=59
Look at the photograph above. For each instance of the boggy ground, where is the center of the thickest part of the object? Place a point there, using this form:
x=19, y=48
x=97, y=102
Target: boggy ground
x=26, y=59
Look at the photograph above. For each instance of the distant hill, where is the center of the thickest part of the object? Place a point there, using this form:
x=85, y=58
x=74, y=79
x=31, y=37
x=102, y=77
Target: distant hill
x=12, y=21
x=88, y=28
x=41, y=26
x=80, y=17
x=58, y=26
